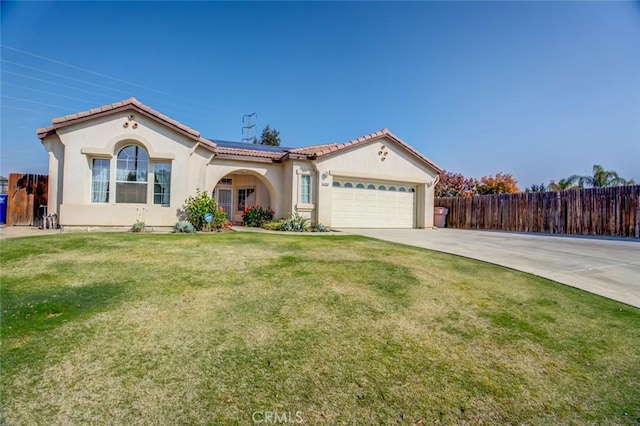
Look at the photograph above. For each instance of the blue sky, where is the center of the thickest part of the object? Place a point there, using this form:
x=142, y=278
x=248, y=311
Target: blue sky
x=541, y=90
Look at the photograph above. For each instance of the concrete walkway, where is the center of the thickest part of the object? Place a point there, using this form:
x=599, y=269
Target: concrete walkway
x=24, y=231
x=605, y=266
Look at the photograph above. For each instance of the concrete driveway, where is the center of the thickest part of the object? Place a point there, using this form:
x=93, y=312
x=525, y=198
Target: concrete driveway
x=608, y=267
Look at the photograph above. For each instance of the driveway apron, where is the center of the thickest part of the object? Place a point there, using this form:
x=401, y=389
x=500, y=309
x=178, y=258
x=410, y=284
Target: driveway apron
x=609, y=267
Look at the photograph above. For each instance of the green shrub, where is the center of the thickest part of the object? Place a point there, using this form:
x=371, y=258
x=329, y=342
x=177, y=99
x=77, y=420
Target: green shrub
x=139, y=226
x=184, y=226
x=318, y=227
x=296, y=223
x=256, y=216
x=274, y=225
x=196, y=206
x=220, y=219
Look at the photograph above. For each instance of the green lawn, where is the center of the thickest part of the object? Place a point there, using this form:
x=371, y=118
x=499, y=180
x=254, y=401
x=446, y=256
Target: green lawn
x=231, y=328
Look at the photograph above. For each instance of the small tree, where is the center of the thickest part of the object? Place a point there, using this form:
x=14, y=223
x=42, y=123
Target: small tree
x=536, y=188
x=454, y=185
x=501, y=183
x=196, y=206
x=269, y=137
x=561, y=185
x=600, y=178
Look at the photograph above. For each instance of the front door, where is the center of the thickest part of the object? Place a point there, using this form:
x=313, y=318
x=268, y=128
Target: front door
x=225, y=201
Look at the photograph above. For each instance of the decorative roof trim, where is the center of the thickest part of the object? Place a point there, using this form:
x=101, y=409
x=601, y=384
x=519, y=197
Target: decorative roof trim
x=332, y=148
x=131, y=103
x=243, y=158
x=248, y=153
x=304, y=153
x=312, y=149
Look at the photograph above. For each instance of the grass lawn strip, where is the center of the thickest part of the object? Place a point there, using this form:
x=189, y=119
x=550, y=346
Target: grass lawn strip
x=148, y=329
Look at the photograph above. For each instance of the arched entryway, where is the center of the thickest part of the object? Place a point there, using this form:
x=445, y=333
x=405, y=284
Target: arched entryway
x=243, y=188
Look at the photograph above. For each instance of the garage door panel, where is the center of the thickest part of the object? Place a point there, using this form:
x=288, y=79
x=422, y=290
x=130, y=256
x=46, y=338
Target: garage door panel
x=373, y=208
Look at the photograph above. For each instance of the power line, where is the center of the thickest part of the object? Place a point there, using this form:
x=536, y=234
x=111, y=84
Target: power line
x=25, y=109
x=102, y=95
x=64, y=76
x=101, y=75
x=45, y=92
x=191, y=110
x=34, y=102
x=54, y=83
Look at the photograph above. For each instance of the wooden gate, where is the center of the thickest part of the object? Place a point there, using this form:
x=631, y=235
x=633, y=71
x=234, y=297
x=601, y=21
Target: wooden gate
x=27, y=199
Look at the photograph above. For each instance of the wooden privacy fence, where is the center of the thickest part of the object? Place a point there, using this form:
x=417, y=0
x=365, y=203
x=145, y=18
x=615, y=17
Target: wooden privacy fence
x=611, y=211
x=26, y=194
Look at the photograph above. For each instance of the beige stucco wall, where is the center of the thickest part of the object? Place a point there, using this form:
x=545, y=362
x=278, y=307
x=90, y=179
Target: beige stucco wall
x=55, y=148
x=269, y=174
x=194, y=167
x=297, y=169
x=103, y=138
x=364, y=161
x=260, y=197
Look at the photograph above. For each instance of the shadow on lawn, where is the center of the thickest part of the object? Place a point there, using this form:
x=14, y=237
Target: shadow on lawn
x=27, y=319
x=28, y=313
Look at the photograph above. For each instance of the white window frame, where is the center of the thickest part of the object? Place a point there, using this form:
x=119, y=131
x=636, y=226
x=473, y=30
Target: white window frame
x=155, y=165
x=140, y=169
x=108, y=181
x=309, y=194
x=237, y=204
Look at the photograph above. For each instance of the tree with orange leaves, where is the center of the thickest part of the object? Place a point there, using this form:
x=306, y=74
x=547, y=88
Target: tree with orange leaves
x=501, y=183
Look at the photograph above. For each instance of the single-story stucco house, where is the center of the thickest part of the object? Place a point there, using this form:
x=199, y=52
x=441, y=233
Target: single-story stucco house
x=110, y=165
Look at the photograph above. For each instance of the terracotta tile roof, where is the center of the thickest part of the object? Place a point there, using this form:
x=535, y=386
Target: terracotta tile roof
x=225, y=148
x=313, y=149
x=248, y=153
x=131, y=103
x=249, y=149
x=326, y=149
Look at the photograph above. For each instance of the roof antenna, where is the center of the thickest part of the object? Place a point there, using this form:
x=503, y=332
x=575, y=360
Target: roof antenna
x=249, y=126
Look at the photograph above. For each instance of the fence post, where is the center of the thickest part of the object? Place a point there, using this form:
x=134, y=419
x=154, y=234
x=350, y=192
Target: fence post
x=638, y=218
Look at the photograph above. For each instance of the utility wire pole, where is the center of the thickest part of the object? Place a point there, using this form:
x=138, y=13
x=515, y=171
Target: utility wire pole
x=247, y=118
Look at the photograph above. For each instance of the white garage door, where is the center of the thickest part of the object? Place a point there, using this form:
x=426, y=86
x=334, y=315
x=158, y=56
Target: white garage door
x=358, y=204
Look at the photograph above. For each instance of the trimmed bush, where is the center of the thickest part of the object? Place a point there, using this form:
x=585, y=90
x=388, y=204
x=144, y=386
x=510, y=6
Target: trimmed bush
x=256, y=216
x=138, y=226
x=275, y=225
x=318, y=227
x=220, y=220
x=184, y=226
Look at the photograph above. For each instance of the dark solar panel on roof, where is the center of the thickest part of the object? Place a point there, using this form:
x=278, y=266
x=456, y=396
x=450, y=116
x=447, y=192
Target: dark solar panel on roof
x=246, y=145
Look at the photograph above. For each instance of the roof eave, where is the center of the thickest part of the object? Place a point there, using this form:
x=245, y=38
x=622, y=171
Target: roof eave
x=413, y=151
x=132, y=103
x=245, y=158
x=373, y=137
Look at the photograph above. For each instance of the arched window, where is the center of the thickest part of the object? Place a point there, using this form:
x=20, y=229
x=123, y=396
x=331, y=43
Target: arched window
x=371, y=186
x=402, y=189
x=131, y=175
x=382, y=188
x=360, y=185
x=348, y=185
x=336, y=184
x=412, y=190
x=392, y=188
